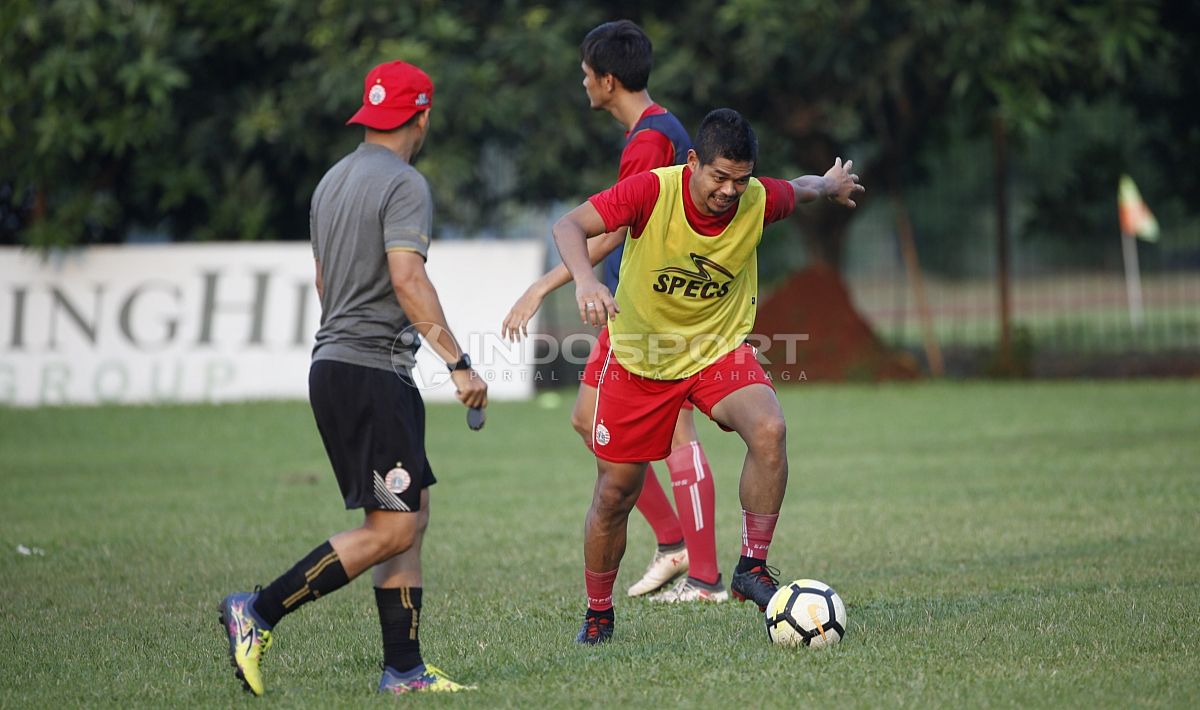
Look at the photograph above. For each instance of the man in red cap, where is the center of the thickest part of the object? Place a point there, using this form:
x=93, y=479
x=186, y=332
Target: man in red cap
x=370, y=222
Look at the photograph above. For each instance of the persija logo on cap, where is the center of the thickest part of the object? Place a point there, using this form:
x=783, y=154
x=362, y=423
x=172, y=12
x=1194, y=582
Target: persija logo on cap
x=392, y=93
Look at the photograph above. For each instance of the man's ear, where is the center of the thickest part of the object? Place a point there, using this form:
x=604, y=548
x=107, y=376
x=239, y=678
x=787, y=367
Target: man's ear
x=423, y=120
x=693, y=160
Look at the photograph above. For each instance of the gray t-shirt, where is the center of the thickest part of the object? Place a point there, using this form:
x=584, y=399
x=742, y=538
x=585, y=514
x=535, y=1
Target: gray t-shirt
x=370, y=203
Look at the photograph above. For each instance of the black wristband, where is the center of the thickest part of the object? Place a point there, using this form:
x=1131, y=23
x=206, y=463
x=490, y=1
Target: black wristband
x=464, y=363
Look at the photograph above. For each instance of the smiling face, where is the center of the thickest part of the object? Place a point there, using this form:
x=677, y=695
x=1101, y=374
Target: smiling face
x=717, y=186
x=598, y=88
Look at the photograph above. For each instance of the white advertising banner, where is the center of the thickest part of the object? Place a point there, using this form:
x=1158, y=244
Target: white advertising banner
x=223, y=322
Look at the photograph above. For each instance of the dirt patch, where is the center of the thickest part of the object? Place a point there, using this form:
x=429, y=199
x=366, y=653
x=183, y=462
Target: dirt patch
x=840, y=345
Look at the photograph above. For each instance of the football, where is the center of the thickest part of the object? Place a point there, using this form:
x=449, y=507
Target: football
x=806, y=612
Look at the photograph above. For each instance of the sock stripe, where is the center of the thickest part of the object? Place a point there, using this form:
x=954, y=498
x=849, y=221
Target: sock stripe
x=694, y=489
x=296, y=598
x=398, y=620
x=757, y=531
x=318, y=568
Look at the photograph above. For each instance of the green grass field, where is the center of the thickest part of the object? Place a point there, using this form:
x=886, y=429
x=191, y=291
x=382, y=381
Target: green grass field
x=997, y=545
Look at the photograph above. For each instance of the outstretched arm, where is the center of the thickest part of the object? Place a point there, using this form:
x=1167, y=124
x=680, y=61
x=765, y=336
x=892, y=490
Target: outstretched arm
x=837, y=184
x=596, y=304
x=516, y=323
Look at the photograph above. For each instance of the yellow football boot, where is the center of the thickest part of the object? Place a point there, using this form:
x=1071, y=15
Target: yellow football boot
x=422, y=679
x=248, y=640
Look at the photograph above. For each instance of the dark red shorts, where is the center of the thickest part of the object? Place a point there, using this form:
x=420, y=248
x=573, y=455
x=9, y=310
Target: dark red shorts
x=635, y=416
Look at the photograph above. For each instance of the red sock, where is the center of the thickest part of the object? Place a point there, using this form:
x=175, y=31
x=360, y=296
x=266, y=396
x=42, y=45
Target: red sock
x=696, y=497
x=599, y=588
x=757, y=531
x=653, y=504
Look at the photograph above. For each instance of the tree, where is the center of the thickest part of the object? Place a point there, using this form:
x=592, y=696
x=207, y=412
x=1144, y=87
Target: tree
x=215, y=120
x=1018, y=71
x=890, y=80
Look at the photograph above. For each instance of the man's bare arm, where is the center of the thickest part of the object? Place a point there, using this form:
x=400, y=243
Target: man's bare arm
x=517, y=321
x=598, y=248
x=571, y=232
x=837, y=184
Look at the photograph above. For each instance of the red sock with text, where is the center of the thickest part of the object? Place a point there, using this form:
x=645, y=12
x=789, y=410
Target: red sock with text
x=599, y=589
x=757, y=531
x=696, y=497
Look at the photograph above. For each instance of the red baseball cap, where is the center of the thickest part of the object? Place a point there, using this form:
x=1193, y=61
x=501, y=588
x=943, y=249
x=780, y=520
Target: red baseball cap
x=392, y=93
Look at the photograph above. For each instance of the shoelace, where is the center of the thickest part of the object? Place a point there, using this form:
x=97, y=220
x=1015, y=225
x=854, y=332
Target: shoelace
x=676, y=591
x=767, y=573
x=438, y=673
x=441, y=676
x=265, y=637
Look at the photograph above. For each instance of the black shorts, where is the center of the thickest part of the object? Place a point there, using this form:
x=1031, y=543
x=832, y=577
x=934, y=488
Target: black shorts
x=373, y=426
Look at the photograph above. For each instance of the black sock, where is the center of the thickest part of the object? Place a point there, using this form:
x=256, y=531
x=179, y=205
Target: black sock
x=670, y=547
x=316, y=575
x=711, y=586
x=399, y=619
x=745, y=564
x=606, y=614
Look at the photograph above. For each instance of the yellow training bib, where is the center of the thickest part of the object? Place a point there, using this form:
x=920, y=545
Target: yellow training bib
x=687, y=299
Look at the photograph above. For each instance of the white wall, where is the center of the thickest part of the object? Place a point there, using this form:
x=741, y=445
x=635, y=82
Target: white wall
x=222, y=322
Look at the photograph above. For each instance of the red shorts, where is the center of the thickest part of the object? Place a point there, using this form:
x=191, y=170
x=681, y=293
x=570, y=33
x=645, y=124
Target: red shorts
x=635, y=416
x=599, y=350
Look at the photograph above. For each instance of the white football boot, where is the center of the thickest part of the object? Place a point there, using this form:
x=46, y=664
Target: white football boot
x=665, y=567
x=691, y=590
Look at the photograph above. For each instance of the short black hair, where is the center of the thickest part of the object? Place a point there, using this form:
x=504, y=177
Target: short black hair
x=622, y=49
x=724, y=133
x=408, y=122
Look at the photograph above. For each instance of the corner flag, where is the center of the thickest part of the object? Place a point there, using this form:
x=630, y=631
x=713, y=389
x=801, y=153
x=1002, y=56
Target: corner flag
x=1136, y=221
x=1135, y=217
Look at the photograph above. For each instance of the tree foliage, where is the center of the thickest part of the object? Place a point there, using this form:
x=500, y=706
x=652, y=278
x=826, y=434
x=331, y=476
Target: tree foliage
x=214, y=120
x=892, y=81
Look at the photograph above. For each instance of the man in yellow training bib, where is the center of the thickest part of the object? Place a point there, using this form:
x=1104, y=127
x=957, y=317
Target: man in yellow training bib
x=689, y=284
